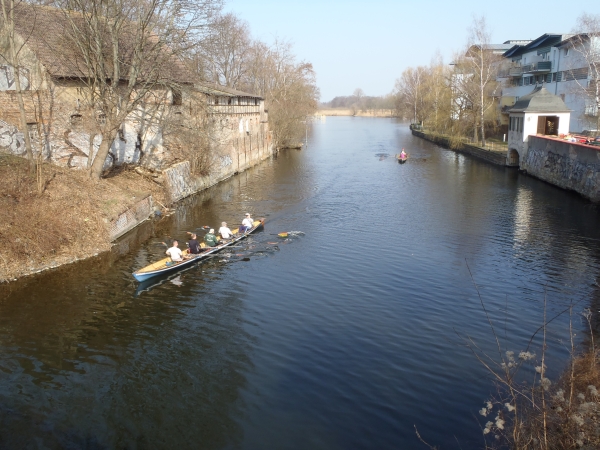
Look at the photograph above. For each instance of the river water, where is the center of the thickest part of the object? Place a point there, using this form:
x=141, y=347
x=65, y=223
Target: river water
x=346, y=336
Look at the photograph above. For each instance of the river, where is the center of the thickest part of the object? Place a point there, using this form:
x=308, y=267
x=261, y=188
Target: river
x=347, y=335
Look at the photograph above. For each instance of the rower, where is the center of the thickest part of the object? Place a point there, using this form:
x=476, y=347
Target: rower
x=247, y=223
x=193, y=244
x=174, y=252
x=210, y=239
x=224, y=231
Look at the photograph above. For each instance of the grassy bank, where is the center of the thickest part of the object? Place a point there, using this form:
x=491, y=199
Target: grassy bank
x=62, y=219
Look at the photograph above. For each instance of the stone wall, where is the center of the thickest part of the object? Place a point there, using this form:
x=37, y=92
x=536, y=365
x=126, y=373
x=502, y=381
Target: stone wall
x=131, y=218
x=565, y=164
x=235, y=155
x=497, y=158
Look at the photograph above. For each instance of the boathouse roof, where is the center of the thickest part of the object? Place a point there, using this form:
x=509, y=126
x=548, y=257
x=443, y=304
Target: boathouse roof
x=540, y=101
x=223, y=91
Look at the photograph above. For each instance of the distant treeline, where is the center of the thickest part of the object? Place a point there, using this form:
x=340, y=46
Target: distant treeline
x=360, y=102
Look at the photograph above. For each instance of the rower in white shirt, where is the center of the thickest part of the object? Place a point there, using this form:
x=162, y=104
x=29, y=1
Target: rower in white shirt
x=247, y=223
x=224, y=231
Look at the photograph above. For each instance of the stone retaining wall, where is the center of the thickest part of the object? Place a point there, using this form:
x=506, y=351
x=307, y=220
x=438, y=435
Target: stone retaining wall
x=239, y=155
x=565, y=164
x=131, y=218
x=497, y=158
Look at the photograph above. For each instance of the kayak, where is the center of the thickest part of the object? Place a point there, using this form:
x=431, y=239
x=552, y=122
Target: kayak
x=165, y=265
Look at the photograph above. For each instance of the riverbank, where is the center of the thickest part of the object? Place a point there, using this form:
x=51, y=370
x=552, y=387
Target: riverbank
x=354, y=112
x=497, y=157
x=68, y=221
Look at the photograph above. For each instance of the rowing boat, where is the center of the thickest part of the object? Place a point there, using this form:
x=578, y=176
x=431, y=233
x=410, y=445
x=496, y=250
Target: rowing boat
x=400, y=159
x=165, y=265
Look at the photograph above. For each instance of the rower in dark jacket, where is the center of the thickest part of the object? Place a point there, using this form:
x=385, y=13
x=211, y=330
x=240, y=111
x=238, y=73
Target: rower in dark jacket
x=193, y=244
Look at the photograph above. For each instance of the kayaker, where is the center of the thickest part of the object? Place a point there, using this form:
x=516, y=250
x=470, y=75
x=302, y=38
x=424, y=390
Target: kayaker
x=402, y=154
x=224, y=231
x=247, y=223
x=210, y=239
x=193, y=244
x=175, y=253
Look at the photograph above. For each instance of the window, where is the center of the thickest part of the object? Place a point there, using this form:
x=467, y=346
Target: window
x=77, y=122
x=177, y=98
x=554, y=76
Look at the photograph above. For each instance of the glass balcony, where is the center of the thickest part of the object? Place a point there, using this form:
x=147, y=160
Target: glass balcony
x=538, y=67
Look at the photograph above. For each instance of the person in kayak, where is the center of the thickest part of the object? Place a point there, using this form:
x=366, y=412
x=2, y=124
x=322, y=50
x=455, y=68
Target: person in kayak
x=210, y=239
x=193, y=244
x=175, y=253
x=247, y=223
x=403, y=154
x=224, y=231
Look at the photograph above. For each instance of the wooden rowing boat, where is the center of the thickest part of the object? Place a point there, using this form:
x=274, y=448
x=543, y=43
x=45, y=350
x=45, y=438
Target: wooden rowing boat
x=400, y=159
x=165, y=265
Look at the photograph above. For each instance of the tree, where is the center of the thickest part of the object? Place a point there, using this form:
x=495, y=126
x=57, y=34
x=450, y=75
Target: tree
x=289, y=89
x=410, y=93
x=12, y=58
x=438, y=95
x=586, y=42
x=226, y=51
x=129, y=55
x=478, y=69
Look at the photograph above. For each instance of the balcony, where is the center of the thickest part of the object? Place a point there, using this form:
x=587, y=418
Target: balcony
x=515, y=71
x=538, y=67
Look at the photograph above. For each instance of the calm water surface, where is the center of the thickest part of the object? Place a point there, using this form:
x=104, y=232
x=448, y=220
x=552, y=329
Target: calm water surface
x=344, y=337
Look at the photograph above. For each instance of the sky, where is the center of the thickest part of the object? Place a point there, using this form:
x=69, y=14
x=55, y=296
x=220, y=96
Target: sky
x=367, y=44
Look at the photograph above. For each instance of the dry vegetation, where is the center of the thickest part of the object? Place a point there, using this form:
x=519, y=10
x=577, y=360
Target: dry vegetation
x=67, y=221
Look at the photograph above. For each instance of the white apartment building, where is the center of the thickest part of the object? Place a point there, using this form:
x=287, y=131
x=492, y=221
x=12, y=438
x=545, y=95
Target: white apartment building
x=551, y=61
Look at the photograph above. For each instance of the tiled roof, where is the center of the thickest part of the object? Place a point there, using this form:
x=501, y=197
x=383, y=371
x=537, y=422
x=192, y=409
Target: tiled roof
x=45, y=31
x=215, y=89
x=540, y=100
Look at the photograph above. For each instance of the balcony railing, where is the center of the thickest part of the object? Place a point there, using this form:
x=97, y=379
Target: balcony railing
x=591, y=110
x=542, y=66
x=515, y=71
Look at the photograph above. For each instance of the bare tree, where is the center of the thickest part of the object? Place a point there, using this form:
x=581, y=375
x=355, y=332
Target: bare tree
x=484, y=65
x=410, y=93
x=128, y=54
x=586, y=42
x=12, y=57
x=289, y=89
x=226, y=51
x=475, y=77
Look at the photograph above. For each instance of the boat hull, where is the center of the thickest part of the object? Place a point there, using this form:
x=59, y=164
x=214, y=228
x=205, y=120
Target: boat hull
x=163, y=266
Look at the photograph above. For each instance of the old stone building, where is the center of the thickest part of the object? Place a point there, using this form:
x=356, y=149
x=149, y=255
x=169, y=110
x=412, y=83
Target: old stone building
x=218, y=131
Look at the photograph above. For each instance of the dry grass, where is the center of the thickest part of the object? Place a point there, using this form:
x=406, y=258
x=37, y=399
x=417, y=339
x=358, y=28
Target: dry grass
x=65, y=223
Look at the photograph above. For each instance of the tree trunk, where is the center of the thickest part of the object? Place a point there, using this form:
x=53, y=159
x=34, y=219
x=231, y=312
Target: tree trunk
x=98, y=164
x=10, y=26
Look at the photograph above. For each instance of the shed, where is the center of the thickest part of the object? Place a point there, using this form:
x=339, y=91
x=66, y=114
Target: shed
x=538, y=112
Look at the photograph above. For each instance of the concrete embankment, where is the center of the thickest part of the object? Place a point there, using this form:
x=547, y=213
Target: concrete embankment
x=494, y=157
x=568, y=165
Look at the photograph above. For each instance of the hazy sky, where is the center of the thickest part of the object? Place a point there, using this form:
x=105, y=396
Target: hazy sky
x=369, y=43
